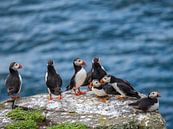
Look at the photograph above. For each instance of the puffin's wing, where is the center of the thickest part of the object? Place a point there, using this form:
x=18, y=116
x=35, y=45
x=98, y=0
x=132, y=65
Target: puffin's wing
x=110, y=90
x=145, y=104
x=13, y=85
x=59, y=80
x=72, y=83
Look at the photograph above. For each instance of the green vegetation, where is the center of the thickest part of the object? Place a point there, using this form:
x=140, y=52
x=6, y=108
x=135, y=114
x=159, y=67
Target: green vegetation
x=69, y=126
x=29, y=124
x=25, y=119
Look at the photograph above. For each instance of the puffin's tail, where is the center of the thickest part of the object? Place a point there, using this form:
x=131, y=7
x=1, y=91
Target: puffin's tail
x=132, y=104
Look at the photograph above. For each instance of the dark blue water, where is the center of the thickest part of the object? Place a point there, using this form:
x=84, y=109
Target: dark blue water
x=134, y=39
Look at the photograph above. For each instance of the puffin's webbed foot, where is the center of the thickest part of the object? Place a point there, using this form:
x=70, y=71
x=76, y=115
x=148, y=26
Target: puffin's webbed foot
x=50, y=97
x=77, y=94
x=120, y=97
x=59, y=97
x=81, y=93
x=104, y=100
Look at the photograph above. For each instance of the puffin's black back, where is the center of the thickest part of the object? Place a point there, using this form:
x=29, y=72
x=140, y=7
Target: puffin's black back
x=144, y=103
x=119, y=80
x=12, y=82
x=97, y=72
x=54, y=81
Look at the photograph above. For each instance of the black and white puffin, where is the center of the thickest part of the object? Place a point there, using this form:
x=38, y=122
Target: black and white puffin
x=13, y=82
x=102, y=90
x=79, y=77
x=53, y=81
x=150, y=103
x=97, y=71
x=122, y=87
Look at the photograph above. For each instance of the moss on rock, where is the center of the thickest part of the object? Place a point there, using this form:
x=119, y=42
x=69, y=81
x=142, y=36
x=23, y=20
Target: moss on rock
x=24, y=119
x=28, y=124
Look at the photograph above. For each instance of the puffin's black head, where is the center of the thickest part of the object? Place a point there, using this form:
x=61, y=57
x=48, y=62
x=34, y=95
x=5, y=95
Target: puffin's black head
x=15, y=66
x=78, y=62
x=154, y=94
x=95, y=83
x=96, y=60
x=106, y=79
x=50, y=62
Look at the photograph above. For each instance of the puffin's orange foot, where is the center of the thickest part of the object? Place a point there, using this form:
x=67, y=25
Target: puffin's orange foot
x=104, y=100
x=77, y=94
x=59, y=97
x=81, y=93
x=120, y=97
x=15, y=97
x=50, y=97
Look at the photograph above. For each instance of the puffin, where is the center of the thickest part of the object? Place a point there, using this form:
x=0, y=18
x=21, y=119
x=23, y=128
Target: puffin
x=102, y=90
x=53, y=81
x=78, y=77
x=122, y=87
x=149, y=103
x=97, y=71
x=13, y=82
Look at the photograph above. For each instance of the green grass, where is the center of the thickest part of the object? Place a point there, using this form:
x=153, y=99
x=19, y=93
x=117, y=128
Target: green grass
x=20, y=114
x=24, y=119
x=29, y=124
x=69, y=126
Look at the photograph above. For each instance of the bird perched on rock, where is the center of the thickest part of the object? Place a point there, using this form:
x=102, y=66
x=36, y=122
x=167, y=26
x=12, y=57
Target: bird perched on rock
x=78, y=77
x=53, y=81
x=122, y=87
x=102, y=90
x=97, y=72
x=149, y=103
x=13, y=81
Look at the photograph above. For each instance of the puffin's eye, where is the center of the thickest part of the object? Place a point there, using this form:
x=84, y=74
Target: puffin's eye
x=79, y=60
x=16, y=64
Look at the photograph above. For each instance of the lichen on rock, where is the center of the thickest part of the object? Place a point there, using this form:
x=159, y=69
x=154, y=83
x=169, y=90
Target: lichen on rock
x=87, y=109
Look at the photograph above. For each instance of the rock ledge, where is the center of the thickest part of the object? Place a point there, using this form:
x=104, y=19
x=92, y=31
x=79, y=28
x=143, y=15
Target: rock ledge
x=88, y=110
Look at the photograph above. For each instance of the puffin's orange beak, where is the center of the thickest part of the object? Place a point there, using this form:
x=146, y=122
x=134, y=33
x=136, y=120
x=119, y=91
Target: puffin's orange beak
x=101, y=81
x=158, y=94
x=91, y=84
x=83, y=63
x=20, y=66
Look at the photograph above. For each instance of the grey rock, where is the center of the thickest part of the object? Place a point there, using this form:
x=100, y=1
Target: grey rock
x=87, y=109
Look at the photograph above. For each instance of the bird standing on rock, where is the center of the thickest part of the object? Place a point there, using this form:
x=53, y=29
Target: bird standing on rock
x=121, y=86
x=79, y=77
x=150, y=103
x=98, y=72
x=53, y=81
x=13, y=81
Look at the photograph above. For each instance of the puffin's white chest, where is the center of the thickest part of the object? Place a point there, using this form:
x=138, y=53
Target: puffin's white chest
x=45, y=78
x=98, y=92
x=114, y=85
x=80, y=77
x=154, y=107
x=20, y=83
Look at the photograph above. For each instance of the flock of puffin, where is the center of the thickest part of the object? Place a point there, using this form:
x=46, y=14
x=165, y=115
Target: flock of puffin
x=97, y=80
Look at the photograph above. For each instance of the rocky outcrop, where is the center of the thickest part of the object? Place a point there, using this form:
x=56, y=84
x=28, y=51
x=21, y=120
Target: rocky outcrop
x=89, y=110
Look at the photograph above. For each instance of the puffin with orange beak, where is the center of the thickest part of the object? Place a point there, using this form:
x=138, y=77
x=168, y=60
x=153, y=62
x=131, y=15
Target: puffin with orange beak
x=13, y=82
x=122, y=87
x=53, y=81
x=78, y=77
x=149, y=103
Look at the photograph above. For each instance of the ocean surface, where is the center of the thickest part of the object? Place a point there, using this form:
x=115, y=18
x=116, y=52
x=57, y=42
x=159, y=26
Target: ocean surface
x=133, y=38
